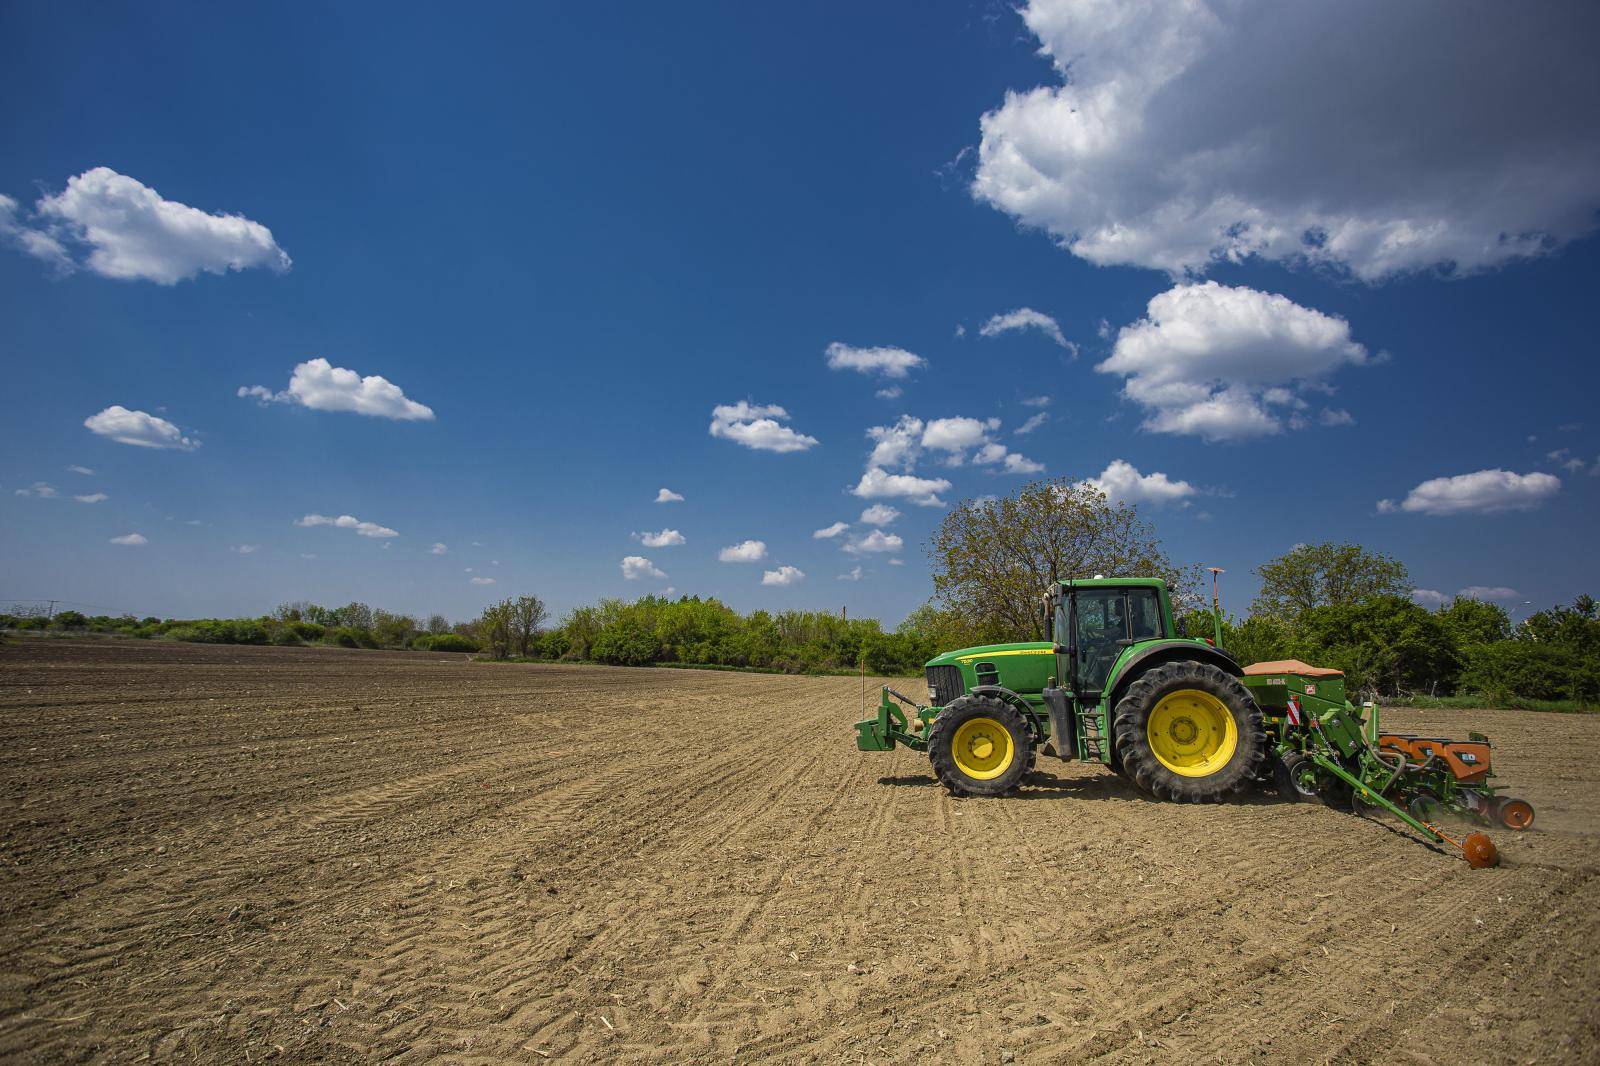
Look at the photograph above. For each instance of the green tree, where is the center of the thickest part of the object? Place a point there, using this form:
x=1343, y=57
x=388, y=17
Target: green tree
x=494, y=629
x=1469, y=621
x=1385, y=644
x=1574, y=627
x=994, y=558
x=526, y=618
x=1326, y=575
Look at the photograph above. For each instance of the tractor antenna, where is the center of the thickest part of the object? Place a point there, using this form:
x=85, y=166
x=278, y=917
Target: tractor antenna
x=1216, y=604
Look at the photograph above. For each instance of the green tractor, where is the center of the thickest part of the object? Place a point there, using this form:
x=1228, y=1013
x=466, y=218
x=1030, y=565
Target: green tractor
x=1181, y=719
x=1114, y=683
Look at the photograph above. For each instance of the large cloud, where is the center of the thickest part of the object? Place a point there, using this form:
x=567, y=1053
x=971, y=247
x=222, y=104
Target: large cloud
x=1122, y=481
x=878, y=484
x=132, y=233
x=1374, y=136
x=139, y=428
x=1482, y=492
x=321, y=386
x=758, y=426
x=1214, y=361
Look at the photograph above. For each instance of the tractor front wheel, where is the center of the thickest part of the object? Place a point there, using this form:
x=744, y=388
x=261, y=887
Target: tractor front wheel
x=980, y=746
x=1189, y=731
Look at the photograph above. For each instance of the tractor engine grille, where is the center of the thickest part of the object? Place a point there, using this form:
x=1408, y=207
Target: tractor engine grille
x=944, y=684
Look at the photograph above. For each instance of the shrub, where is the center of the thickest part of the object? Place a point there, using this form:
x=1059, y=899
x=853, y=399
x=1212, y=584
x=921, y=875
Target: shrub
x=1508, y=669
x=71, y=620
x=343, y=636
x=628, y=643
x=444, y=642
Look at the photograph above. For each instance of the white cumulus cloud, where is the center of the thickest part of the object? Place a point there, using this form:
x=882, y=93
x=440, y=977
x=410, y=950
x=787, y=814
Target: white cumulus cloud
x=668, y=496
x=80, y=470
x=1122, y=481
x=758, y=426
x=748, y=551
x=829, y=532
x=1026, y=318
x=898, y=445
x=439, y=549
x=1482, y=492
x=877, y=483
x=635, y=567
x=481, y=580
x=345, y=521
x=666, y=538
x=130, y=539
x=876, y=541
x=885, y=362
x=118, y=227
x=321, y=386
x=1374, y=137
x=1429, y=597
x=139, y=428
x=853, y=575
x=879, y=514
x=1210, y=360
x=93, y=497
x=958, y=434
x=245, y=549
x=783, y=575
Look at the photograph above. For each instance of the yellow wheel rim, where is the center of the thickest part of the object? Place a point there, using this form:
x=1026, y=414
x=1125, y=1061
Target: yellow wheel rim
x=1192, y=733
x=982, y=748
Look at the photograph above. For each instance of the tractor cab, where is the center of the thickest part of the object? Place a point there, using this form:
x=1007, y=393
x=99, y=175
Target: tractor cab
x=1095, y=621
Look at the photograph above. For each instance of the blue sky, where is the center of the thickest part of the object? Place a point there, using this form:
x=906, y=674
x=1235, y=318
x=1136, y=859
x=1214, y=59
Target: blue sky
x=1292, y=278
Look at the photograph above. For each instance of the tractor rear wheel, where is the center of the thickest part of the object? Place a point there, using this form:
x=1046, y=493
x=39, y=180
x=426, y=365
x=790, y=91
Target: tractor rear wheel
x=980, y=746
x=1188, y=731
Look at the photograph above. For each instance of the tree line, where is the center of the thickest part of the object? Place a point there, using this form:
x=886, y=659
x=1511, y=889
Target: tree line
x=1328, y=604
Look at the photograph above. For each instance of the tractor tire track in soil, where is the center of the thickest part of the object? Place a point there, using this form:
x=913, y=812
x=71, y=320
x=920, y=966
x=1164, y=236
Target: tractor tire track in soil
x=317, y=854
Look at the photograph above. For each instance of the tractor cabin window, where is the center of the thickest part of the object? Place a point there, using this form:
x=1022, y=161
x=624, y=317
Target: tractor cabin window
x=1108, y=620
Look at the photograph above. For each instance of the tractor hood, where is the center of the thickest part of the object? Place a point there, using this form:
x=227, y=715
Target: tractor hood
x=998, y=652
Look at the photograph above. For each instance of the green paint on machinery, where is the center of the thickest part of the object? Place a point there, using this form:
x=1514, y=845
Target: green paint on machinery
x=1180, y=718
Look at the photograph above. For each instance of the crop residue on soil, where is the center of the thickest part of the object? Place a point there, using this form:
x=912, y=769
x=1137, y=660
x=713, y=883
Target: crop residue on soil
x=213, y=852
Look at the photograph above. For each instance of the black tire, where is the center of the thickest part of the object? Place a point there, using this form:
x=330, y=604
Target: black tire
x=941, y=738
x=1139, y=762
x=1290, y=778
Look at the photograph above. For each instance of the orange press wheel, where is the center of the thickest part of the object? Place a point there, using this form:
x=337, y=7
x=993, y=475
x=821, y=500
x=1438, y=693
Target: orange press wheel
x=1480, y=851
x=1514, y=813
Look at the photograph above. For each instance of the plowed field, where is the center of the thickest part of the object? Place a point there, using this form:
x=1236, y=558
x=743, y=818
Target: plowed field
x=231, y=853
